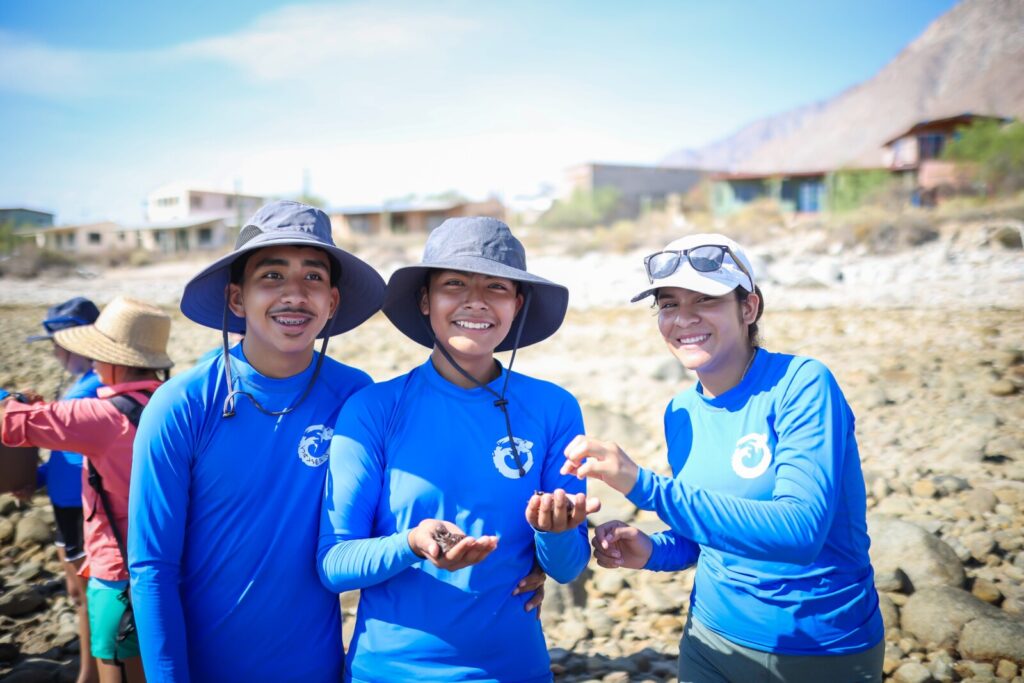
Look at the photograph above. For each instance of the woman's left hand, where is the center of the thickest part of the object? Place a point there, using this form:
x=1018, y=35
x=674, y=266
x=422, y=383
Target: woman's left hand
x=556, y=512
x=604, y=460
x=533, y=583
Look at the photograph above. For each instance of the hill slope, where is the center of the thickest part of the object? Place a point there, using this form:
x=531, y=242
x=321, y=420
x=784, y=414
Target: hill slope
x=971, y=59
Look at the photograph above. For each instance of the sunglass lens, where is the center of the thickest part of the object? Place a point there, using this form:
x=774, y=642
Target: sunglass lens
x=662, y=265
x=706, y=259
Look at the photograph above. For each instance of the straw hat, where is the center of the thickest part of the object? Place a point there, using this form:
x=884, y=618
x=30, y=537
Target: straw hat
x=128, y=332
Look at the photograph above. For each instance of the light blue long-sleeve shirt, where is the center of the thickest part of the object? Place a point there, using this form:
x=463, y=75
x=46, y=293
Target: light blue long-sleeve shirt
x=768, y=497
x=419, y=447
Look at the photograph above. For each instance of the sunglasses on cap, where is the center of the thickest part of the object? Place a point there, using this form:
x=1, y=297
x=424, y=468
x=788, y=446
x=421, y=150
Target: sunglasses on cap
x=706, y=258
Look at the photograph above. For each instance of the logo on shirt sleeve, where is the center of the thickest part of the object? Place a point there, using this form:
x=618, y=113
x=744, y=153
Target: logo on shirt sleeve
x=752, y=456
x=315, y=445
x=506, y=462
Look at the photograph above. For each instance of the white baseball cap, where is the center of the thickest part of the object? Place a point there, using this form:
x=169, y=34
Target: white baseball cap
x=718, y=271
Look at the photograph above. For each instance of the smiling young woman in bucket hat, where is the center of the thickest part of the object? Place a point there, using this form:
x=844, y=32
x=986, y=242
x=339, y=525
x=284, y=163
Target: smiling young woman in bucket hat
x=766, y=497
x=230, y=463
x=455, y=449
x=128, y=348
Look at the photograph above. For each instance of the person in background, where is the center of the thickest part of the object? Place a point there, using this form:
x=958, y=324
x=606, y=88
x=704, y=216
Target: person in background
x=128, y=348
x=767, y=495
x=61, y=474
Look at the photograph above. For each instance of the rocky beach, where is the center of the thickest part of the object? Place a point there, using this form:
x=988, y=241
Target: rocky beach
x=926, y=341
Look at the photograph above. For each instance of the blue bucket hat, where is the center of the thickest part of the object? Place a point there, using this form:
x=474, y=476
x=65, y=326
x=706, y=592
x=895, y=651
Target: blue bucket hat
x=475, y=245
x=286, y=223
x=71, y=313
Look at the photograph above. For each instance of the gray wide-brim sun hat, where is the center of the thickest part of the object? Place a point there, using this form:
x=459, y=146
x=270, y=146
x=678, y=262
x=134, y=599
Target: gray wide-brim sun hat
x=279, y=224
x=484, y=246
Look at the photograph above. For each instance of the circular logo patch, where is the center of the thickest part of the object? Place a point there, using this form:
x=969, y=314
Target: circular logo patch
x=752, y=456
x=506, y=463
x=315, y=445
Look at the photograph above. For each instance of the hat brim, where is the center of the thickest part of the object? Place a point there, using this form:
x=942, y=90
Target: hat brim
x=716, y=283
x=87, y=341
x=361, y=287
x=548, y=305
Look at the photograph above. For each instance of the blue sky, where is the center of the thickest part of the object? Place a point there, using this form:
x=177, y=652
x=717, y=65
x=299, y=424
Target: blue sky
x=100, y=103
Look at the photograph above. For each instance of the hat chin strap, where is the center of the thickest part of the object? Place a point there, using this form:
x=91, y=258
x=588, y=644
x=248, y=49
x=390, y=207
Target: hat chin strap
x=229, y=402
x=500, y=402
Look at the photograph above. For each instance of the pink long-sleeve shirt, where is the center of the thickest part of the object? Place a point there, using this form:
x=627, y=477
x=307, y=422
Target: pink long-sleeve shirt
x=95, y=428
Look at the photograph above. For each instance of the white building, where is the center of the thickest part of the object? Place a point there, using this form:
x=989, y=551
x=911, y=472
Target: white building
x=181, y=201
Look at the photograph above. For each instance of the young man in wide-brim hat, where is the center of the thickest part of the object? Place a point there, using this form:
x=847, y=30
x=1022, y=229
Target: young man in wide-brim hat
x=128, y=348
x=230, y=463
x=430, y=505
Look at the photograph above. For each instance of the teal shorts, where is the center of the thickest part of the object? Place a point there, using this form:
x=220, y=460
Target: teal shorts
x=105, y=610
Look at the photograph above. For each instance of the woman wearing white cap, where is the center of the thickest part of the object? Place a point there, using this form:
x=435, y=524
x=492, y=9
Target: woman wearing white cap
x=128, y=348
x=431, y=506
x=767, y=495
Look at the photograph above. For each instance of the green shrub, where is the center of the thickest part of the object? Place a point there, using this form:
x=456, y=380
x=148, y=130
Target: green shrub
x=583, y=209
x=997, y=149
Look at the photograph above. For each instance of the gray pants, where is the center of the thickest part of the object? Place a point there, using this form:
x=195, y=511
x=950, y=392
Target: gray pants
x=706, y=657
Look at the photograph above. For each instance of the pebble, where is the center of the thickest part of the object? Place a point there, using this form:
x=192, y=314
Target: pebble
x=912, y=672
x=1003, y=387
x=987, y=591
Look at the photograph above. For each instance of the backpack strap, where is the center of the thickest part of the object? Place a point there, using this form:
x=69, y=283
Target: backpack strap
x=131, y=408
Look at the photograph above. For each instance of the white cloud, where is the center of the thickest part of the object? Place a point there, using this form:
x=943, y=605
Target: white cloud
x=31, y=67
x=290, y=42
x=300, y=43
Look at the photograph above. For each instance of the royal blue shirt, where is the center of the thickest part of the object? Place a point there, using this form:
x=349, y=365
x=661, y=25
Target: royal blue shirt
x=62, y=473
x=223, y=527
x=419, y=447
x=768, y=497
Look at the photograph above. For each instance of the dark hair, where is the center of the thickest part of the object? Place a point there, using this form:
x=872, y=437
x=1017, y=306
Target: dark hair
x=753, y=334
x=237, y=271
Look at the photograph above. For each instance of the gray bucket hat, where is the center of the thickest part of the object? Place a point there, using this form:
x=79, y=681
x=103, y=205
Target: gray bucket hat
x=475, y=245
x=286, y=223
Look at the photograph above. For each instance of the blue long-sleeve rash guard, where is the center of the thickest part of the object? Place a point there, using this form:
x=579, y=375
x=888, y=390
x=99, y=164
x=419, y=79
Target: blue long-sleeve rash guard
x=418, y=447
x=768, y=497
x=61, y=474
x=224, y=519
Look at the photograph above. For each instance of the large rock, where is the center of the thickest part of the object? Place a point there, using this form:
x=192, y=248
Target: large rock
x=32, y=530
x=925, y=559
x=20, y=600
x=890, y=613
x=992, y=639
x=937, y=614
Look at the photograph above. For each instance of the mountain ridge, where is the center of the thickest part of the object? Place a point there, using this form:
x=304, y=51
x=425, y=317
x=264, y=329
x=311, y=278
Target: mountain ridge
x=968, y=60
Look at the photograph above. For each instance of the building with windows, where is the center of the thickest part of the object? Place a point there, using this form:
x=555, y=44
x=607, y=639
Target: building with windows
x=86, y=238
x=406, y=216
x=181, y=218
x=25, y=219
x=915, y=155
x=180, y=201
x=914, y=158
x=639, y=188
